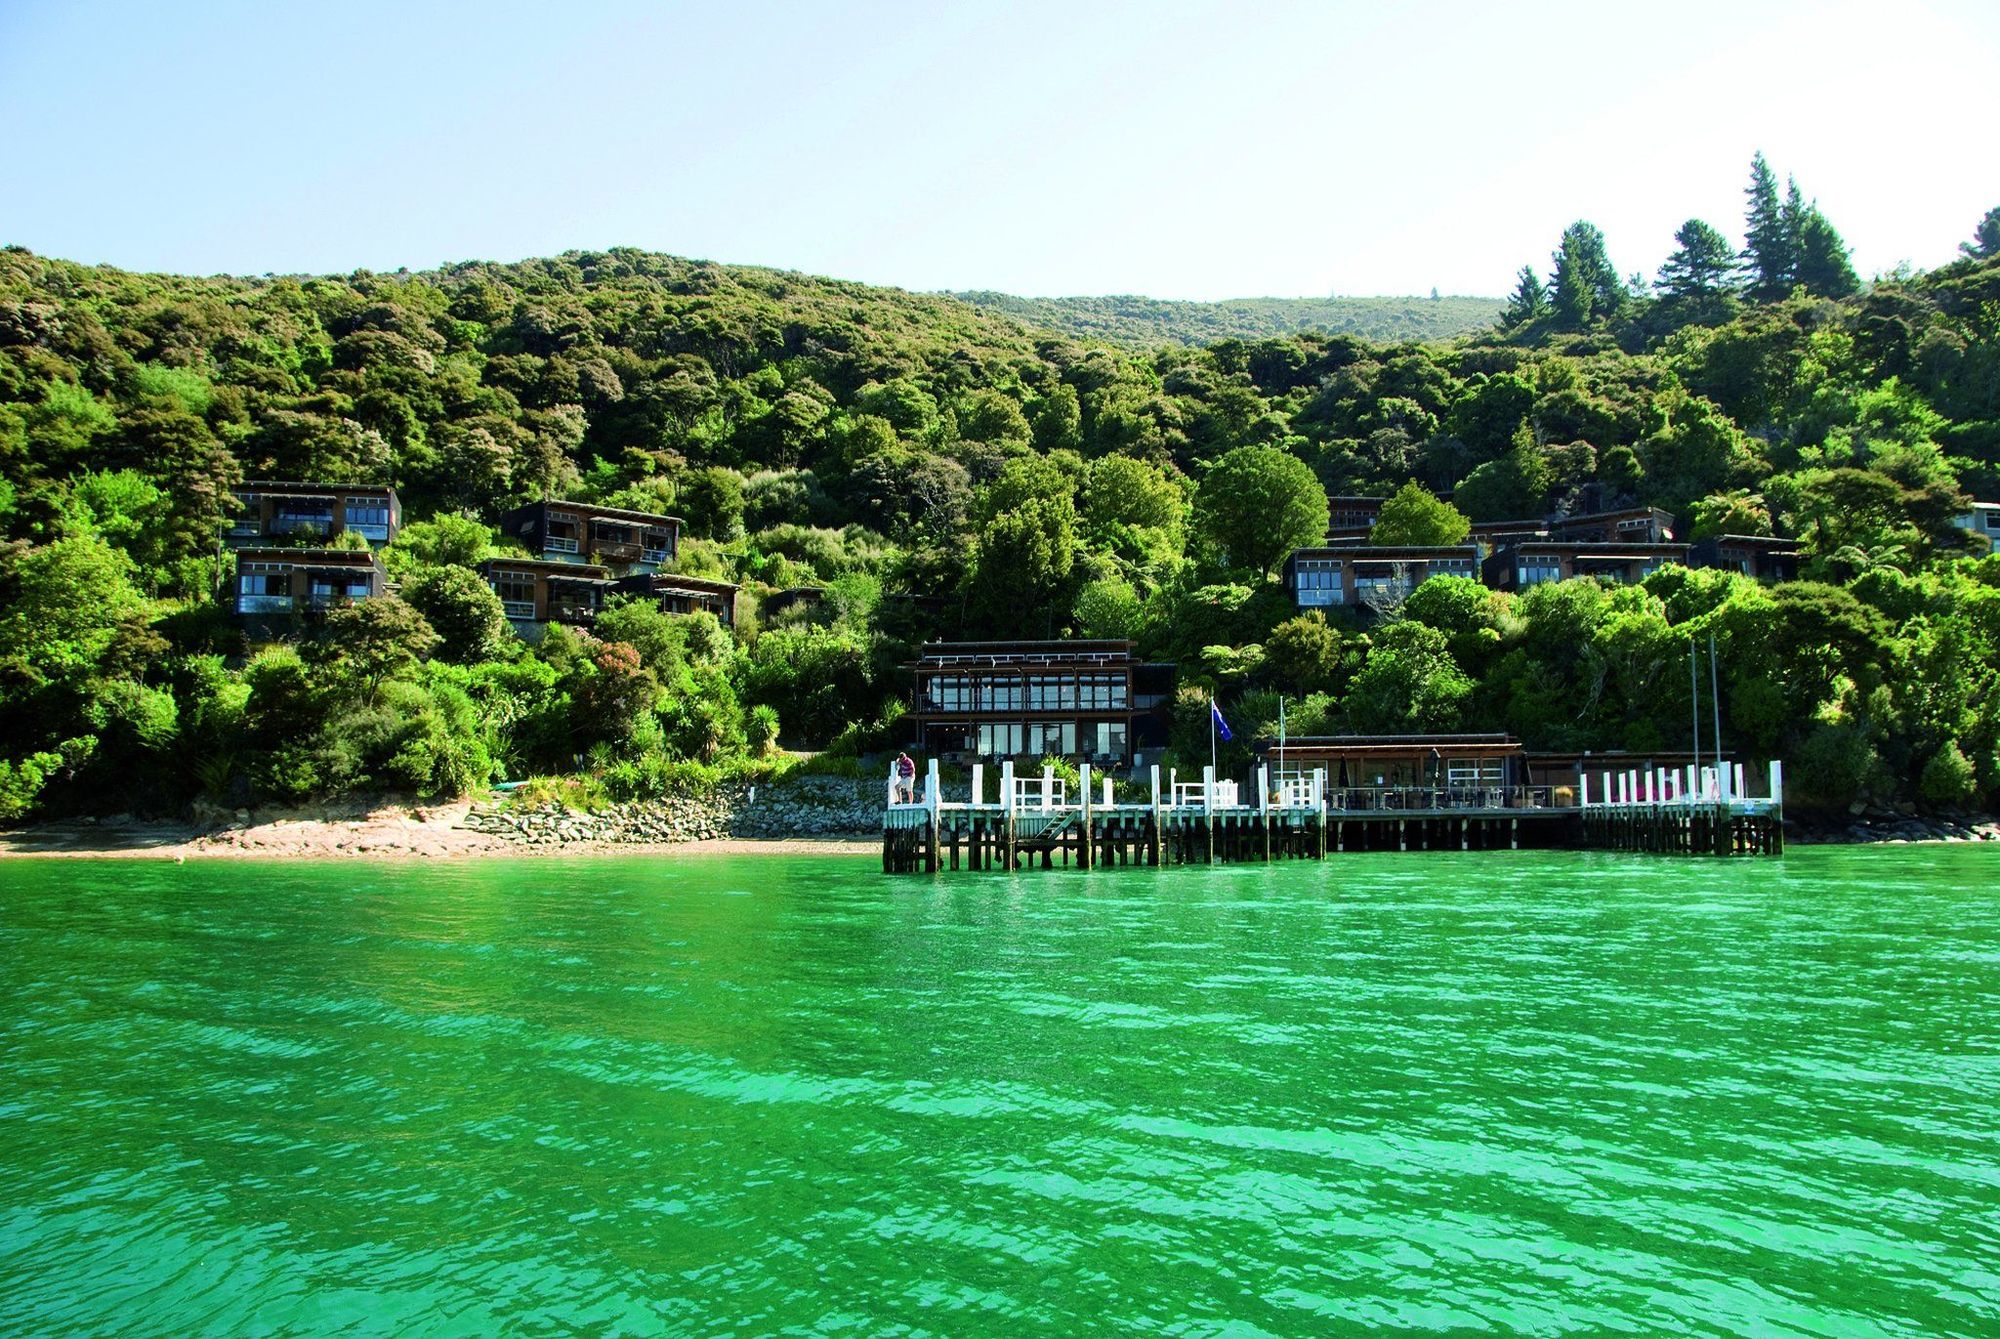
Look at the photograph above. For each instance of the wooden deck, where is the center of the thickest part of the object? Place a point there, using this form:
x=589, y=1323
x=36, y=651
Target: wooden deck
x=1038, y=820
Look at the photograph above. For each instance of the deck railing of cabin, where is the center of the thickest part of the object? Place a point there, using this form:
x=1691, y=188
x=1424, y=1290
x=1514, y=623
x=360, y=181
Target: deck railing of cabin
x=558, y=544
x=1681, y=787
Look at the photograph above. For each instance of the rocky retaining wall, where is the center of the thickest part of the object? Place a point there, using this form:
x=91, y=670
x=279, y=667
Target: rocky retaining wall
x=814, y=806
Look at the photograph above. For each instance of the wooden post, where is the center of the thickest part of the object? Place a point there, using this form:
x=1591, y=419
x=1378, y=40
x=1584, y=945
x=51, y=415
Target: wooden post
x=1264, y=806
x=1007, y=814
x=978, y=784
x=1159, y=835
x=931, y=803
x=1084, y=851
x=1319, y=803
x=1208, y=807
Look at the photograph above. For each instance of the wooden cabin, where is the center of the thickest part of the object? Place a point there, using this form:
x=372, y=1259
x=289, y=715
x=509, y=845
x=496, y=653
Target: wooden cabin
x=686, y=595
x=1629, y=525
x=1458, y=762
x=590, y=535
x=1369, y=575
x=281, y=583
x=1094, y=701
x=1758, y=556
x=1532, y=562
x=536, y=592
x=271, y=512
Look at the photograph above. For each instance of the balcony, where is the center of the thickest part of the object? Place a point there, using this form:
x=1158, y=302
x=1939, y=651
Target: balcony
x=369, y=530
x=571, y=611
x=658, y=557
x=616, y=551
x=263, y=604
x=558, y=544
x=518, y=611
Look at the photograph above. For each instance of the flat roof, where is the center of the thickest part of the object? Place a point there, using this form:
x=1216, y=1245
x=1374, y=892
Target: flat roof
x=594, y=509
x=661, y=582
x=311, y=557
x=549, y=567
x=293, y=488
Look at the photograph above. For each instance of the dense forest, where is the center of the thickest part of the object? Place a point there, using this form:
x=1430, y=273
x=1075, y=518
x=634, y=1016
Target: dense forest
x=942, y=469
x=1146, y=322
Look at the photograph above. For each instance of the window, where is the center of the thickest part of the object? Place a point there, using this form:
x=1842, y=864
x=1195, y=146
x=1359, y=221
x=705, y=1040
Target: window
x=1111, y=739
x=1002, y=740
x=303, y=515
x=1046, y=738
x=951, y=692
x=1317, y=583
x=1001, y=694
x=1380, y=581
x=1101, y=692
x=517, y=594
x=1052, y=692
x=368, y=517
x=263, y=588
x=1534, y=571
x=1450, y=567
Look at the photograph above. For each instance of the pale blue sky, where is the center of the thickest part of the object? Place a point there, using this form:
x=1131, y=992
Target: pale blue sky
x=1174, y=149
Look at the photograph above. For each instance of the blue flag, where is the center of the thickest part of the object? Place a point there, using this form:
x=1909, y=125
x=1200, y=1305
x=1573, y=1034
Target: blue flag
x=1221, y=725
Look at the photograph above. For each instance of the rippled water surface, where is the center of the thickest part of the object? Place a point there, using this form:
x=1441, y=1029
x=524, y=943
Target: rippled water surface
x=1533, y=1093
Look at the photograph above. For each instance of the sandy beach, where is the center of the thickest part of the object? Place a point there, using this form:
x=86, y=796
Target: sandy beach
x=389, y=832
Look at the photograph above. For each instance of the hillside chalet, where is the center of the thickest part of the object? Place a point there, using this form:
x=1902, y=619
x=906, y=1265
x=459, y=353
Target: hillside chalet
x=275, y=513
x=1089, y=700
x=1369, y=576
x=273, y=584
x=588, y=535
x=686, y=595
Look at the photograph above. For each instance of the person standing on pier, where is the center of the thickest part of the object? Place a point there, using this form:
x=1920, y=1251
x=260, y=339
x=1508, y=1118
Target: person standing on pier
x=906, y=779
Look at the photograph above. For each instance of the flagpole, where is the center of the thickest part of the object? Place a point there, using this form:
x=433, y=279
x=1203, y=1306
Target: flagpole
x=1213, y=712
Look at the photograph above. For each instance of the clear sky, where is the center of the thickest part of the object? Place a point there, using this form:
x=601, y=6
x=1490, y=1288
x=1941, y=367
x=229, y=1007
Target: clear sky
x=1174, y=149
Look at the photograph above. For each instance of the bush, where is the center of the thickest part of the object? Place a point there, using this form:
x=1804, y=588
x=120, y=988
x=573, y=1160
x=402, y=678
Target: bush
x=1948, y=780
x=462, y=608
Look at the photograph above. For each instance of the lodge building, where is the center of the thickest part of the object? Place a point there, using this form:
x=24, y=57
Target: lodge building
x=589, y=535
x=275, y=584
x=1532, y=562
x=988, y=701
x=272, y=512
x=535, y=592
x=1370, y=576
x=686, y=595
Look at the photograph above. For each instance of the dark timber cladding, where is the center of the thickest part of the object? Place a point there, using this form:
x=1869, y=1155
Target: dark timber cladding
x=581, y=532
x=535, y=592
x=686, y=595
x=1093, y=700
x=279, y=510
x=1366, y=574
x=279, y=581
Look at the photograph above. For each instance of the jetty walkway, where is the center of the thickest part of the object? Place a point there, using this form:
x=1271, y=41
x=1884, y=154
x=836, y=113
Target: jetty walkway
x=1716, y=810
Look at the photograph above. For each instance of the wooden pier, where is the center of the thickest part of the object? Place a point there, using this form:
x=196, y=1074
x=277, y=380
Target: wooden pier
x=1035, y=820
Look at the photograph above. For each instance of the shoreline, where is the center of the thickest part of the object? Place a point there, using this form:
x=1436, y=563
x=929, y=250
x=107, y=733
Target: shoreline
x=441, y=832
x=387, y=832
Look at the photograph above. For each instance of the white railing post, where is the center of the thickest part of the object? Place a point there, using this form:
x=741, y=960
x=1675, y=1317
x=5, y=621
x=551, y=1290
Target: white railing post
x=1107, y=793
x=1777, y=782
x=978, y=784
x=1083, y=785
x=891, y=801
x=1007, y=786
x=1048, y=788
x=1741, y=791
x=1155, y=771
x=1208, y=790
x=1263, y=787
x=1583, y=791
x=931, y=795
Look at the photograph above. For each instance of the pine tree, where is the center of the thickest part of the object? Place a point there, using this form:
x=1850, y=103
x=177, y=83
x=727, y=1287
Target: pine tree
x=1822, y=265
x=1769, y=249
x=1529, y=303
x=1586, y=283
x=1985, y=238
x=1703, y=267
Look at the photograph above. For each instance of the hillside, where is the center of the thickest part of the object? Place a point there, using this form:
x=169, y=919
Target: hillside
x=1143, y=322
x=884, y=445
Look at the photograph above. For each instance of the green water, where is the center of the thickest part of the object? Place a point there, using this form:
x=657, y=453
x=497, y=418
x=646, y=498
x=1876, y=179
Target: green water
x=1527, y=1093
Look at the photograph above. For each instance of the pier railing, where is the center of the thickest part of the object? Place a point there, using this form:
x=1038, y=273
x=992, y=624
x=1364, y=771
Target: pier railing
x=1721, y=810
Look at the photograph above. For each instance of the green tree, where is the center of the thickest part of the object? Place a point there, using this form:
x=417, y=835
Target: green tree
x=1514, y=487
x=1702, y=267
x=1257, y=504
x=1985, y=241
x=1529, y=303
x=1416, y=516
x=1409, y=684
x=1771, y=245
x=712, y=501
x=1823, y=266
x=468, y=617
x=1585, y=286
